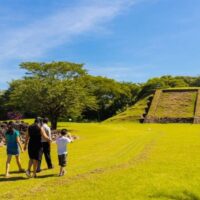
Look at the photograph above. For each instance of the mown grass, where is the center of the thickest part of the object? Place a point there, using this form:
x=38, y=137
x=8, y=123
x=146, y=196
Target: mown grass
x=117, y=161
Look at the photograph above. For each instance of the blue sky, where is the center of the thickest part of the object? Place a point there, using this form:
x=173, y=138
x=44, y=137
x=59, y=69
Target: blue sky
x=128, y=40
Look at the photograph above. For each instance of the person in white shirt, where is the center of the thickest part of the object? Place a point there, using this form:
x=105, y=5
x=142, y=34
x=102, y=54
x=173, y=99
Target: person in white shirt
x=62, y=142
x=46, y=146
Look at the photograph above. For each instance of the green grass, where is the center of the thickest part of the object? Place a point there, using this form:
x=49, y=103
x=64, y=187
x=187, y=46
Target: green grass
x=132, y=114
x=176, y=104
x=117, y=161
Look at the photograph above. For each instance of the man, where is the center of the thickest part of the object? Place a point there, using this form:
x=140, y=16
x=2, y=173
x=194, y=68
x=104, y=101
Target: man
x=46, y=147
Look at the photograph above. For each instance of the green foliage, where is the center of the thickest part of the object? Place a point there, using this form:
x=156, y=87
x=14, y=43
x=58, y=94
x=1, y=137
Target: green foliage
x=64, y=90
x=196, y=82
x=4, y=107
x=112, y=96
x=163, y=82
x=54, y=89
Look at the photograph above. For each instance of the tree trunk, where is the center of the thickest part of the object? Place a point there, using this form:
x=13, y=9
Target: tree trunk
x=54, y=121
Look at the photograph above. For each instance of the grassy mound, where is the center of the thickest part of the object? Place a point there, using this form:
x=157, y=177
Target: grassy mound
x=132, y=114
x=116, y=161
x=176, y=104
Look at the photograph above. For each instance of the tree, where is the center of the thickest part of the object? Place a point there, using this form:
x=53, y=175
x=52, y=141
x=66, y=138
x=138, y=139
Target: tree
x=196, y=82
x=54, y=89
x=112, y=96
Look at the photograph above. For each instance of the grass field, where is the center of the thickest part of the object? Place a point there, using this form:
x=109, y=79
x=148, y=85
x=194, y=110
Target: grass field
x=117, y=161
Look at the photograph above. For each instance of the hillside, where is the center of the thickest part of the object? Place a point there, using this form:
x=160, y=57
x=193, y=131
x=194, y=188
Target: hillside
x=132, y=114
x=176, y=106
x=116, y=161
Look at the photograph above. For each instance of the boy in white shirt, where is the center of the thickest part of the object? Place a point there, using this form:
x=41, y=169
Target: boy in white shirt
x=62, y=142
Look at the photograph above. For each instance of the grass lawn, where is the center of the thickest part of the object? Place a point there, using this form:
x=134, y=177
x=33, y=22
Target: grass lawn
x=117, y=161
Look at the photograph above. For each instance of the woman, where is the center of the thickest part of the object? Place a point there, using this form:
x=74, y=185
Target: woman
x=33, y=140
x=13, y=144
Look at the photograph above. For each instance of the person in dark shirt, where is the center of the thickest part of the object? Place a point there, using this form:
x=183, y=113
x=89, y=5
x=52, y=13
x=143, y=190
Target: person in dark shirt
x=33, y=140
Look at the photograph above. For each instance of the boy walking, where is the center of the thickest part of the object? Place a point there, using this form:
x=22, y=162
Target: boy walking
x=62, y=142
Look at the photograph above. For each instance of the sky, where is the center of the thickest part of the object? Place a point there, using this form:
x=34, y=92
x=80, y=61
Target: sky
x=127, y=40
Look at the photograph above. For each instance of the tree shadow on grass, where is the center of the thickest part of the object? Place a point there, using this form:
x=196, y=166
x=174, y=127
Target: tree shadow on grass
x=185, y=195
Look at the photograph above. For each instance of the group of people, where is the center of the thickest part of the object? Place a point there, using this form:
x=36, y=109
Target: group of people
x=37, y=141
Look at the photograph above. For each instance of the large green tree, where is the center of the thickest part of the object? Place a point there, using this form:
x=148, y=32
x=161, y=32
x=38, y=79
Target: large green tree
x=112, y=96
x=54, y=89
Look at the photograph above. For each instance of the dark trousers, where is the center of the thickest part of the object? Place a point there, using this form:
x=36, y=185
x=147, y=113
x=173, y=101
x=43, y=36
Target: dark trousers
x=46, y=151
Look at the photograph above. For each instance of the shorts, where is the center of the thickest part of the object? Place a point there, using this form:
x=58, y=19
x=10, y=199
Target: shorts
x=13, y=152
x=35, y=153
x=62, y=160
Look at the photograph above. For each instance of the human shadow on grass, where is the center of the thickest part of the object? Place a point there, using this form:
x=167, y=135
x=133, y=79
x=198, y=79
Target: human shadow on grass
x=22, y=172
x=18, y=178
x=17, y=172
x=13, y=172
x=185, y=195
x=46, y=176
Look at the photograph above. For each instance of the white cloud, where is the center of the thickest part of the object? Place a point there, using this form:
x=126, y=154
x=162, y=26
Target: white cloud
x=36, y=39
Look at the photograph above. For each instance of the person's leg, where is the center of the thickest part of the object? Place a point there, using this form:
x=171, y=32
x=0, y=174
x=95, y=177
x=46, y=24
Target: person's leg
x=61, y=171
x=8, y=165
x=39, y=165
x=46, y=150
x=40, y=160
x=30, y=163
x=64, y=164
x=28, y=171
x=19, y=163
x=35, y=165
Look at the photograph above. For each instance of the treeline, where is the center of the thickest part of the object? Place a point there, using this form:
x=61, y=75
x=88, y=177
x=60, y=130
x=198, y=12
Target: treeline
x=65, y=91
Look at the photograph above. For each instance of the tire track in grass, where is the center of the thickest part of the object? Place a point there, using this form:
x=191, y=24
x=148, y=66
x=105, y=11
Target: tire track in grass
x=138, y=159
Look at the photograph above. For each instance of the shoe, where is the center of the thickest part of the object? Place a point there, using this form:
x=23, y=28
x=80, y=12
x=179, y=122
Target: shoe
x=28, y=174
x=51, y=167
x=38, y=170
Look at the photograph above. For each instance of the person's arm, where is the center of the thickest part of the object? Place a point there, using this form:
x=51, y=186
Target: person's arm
x=71, y=139
x=50, y=136
x=19, y=143
x=44, y=135
x=26, y=141
x=5, y=140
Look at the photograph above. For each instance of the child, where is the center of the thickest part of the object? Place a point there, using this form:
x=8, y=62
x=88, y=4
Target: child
x=13, y=144
x=62, y=142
